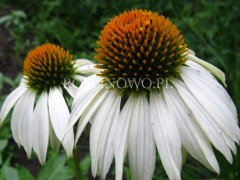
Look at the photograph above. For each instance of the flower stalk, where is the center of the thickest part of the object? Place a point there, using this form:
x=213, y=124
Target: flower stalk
x=76, y=161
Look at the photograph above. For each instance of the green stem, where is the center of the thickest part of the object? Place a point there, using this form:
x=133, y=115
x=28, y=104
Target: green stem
x=76, y=165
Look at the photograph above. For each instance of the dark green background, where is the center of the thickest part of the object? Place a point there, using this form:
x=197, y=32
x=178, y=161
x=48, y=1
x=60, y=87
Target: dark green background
x=211, y=29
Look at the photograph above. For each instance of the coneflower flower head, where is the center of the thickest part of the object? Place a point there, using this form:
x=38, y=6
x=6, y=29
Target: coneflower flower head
x=140, y=44
x=152, y=92
x=40, y=110
x=48, y=66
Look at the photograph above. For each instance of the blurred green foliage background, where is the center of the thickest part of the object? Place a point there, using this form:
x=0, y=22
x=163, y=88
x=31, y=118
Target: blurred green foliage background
x=211, y=29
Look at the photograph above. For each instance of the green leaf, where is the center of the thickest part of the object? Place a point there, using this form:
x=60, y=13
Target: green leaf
x=7, y=161
x=10, y=173
x=1, y=160
x=64, y=174
x=85, y=165
x=19, y=14
x=127, y=172
x=3, y=144
x=17, y=80
x=24, y=173
x=1, y=81
x=4, y=19
x=9, y=81
x=55, y=169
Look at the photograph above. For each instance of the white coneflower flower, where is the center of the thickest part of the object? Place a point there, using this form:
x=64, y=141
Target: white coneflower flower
x=47, y=69
x=173, y=101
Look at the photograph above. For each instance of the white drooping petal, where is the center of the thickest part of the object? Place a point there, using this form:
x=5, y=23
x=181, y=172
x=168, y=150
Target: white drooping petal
x=59, y=112
x=230, y=143
x=141, y=145
x=88, y=70
x=26, y=119
x=82, y=62
x=214, y=70
x=15, y=123
x=122, y=132
x=166, y=135
x=99, y=134
x=41, y=127
x=190, y=51
x=54, y=141
x=196, y=66
x=193, y=139
x=68, y=142
x=87, y=92
x=213, y=100
x=86, y=67
x=81, y=106
x=80, y=77
x=23, y=81
x=88, y=85
x=88, y=113
x=21, y=116
x=10, y=101
x=59, y=115
x=207, y=124
x=222, y=93
x=70, y=88
x=109, y=153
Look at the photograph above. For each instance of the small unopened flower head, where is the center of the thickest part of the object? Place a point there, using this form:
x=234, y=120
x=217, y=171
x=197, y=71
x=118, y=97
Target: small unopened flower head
x=47, y=66
x=140, y=44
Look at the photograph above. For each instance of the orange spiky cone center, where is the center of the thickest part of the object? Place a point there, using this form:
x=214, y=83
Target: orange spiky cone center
x=140, y=44
x=47, y=66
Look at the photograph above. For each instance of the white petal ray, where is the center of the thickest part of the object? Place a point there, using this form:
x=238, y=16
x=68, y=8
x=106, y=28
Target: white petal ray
x=214, y=70
x=59, y=115
x=15, y=125
x=166, y=136
x=109, y=153
x=17, y=115
x=54, y=141
x=197, y=66
x=141, y=145
x=23, y=81
x=190, y=51
x=82, y=105
x=88, y=70
x=80, y=77
x=26, y=117
x=193, y=139
x=10, y=101
x=86, y=67
x=100, y=129
x=59, y=112
x=82, y=62
x=68, y=143
x=89, y=91
x=88, y=114
x=222, y=93
x=230, y=143
x=41, y=127
x=210, y=128
x=121, y=139
x=212, y=100
x=88, y=85
x=70, y=88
